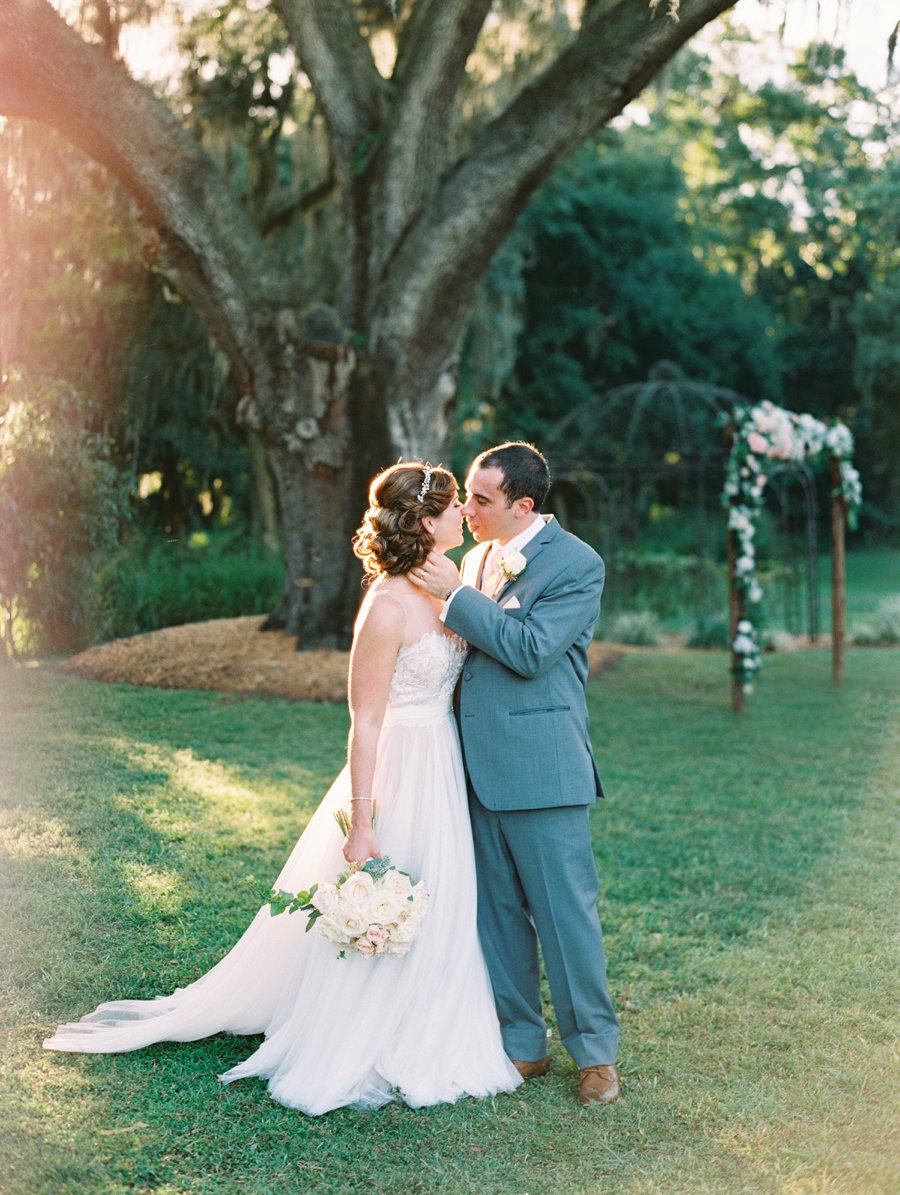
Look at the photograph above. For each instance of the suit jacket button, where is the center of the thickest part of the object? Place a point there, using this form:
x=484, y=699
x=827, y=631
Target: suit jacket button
x=467, y=676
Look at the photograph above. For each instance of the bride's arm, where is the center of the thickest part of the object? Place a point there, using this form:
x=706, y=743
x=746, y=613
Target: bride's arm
x=373, y=657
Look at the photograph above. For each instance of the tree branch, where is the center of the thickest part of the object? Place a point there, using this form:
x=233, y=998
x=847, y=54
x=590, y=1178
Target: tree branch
x=431, y=61
x=196, y=233
x=615, y=55
x=303, y=203
x=336, y=57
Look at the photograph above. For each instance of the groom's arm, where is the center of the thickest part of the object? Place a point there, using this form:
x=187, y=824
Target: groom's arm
x=529, y=646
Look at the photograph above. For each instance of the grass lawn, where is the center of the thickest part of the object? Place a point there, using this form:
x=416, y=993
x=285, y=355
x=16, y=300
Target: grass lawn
x=872, y=575
x=748, y=886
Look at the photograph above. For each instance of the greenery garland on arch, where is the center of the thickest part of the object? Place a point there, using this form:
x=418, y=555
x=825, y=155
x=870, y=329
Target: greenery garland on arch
x=760, y=435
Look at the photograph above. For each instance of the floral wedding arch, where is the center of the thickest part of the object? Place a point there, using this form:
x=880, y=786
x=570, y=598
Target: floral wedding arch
x=758, y=436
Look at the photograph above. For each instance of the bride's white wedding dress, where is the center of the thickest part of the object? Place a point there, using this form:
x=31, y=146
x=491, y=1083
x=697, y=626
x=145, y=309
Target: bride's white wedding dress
x=357, y=1031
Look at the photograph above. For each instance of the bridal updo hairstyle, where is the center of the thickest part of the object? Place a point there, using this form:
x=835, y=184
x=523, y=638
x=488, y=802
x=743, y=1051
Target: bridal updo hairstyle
x=392, y=539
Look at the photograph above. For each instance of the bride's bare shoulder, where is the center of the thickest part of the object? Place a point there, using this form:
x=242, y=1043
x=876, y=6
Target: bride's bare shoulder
x=382, y=610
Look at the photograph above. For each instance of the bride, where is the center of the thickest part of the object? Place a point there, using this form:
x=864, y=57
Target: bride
x=362, y=1031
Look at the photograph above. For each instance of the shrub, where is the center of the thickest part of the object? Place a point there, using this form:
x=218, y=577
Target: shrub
x=708, y=630
x=148, y=585
x=777, y=641
x=883, y=628
x=669, y=585
x=61, y=503
x=637, y=627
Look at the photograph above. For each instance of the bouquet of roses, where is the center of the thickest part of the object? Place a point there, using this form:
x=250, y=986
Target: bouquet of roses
x=372, y=908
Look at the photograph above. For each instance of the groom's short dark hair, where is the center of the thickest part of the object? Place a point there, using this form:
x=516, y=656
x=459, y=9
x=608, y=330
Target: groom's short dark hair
x=526, y=473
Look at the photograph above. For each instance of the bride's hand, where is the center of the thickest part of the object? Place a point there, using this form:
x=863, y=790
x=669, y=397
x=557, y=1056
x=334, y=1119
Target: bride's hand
x=361, y=844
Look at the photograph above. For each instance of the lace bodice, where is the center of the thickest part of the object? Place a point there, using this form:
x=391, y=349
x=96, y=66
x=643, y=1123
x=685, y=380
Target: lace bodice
x=426, y=672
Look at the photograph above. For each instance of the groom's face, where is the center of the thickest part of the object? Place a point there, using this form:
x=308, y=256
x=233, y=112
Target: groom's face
x=486, y=511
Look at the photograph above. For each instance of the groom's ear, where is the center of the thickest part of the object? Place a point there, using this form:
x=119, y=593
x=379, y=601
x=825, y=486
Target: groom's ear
x=524, y=506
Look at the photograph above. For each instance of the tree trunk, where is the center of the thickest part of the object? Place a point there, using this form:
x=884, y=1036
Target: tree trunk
x=317, y=565
x=263, y=495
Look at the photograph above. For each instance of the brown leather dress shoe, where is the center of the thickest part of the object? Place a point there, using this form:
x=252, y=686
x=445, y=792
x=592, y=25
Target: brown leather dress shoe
x=532, y=1070
x=599, y=1085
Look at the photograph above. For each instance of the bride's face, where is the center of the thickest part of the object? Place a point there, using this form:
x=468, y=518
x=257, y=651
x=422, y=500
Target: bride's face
x=446, y=528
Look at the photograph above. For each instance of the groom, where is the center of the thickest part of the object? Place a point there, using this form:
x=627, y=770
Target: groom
x=526, y=603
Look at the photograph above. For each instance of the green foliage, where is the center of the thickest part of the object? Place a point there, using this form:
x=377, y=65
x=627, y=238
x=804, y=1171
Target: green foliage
x=173, y=420
x=637, y=627
x=668, y=585
x=280, y=901
x=613, y=286
x=151, y=584
x=81, y=306
x=61, y=503
x=708, y=630
x=882, y=627
x=793, y=187
x=744, y=234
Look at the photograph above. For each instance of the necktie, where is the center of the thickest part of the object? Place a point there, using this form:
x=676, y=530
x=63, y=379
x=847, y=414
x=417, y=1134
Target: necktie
x=491, y=564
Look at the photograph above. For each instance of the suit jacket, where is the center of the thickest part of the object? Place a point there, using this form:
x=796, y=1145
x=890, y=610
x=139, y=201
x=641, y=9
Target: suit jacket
x=520, y=703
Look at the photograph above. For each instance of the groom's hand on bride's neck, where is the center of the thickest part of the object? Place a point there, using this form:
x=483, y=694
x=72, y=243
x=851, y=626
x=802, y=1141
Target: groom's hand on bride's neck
x=438, y=576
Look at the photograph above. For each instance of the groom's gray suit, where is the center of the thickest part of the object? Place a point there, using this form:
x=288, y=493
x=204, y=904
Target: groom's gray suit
x=532, y=777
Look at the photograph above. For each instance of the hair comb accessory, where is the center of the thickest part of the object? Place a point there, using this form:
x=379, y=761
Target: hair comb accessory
x=426, y=483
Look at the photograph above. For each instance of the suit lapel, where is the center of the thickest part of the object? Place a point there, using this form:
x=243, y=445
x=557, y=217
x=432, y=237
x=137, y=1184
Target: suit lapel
x=530, y=551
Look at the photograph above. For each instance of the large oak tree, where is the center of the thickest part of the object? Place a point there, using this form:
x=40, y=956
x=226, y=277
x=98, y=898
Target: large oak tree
x=335, y=393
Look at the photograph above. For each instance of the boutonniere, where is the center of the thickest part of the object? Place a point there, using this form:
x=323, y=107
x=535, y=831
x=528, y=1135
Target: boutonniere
x=512, y=564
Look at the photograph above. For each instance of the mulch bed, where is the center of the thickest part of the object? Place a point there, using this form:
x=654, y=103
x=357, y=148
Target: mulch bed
x=232, y=655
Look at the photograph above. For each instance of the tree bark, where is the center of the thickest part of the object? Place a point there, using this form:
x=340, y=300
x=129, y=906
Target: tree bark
x=264, y=498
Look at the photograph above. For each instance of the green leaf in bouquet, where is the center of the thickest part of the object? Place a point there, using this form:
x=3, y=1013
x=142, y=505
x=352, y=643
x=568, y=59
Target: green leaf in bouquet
x=288, y=902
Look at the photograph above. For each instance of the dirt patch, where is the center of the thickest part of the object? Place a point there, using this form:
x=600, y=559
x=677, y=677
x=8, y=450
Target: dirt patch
x=232, y=655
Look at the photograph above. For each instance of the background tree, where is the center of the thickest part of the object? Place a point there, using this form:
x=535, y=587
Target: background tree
x=745, y=231
x=335, y=391
x=60, y=506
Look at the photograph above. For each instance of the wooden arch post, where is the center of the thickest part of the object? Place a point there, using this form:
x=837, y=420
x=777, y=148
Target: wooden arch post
x=838, y=571
x=735, y=614
x=735, y=602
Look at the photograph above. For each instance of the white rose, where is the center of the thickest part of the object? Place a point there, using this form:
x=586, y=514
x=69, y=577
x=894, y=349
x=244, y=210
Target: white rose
x=404, y=931
x=327, y=927
x=385, y=907
x=398, y=883
x=324, y=898
x=744, y=627
x=358, y=889
x=512, y=563
x=350, y=920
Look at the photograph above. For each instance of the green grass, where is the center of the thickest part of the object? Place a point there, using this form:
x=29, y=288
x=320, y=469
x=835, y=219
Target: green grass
x=747, y=900
x=872, y=574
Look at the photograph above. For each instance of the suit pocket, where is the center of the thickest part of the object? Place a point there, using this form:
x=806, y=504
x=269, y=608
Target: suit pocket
x=541, y=709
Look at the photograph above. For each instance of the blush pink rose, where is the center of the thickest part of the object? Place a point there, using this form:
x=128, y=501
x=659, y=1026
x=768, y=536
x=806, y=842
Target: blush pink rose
x=757, y=443
x=365, y=947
